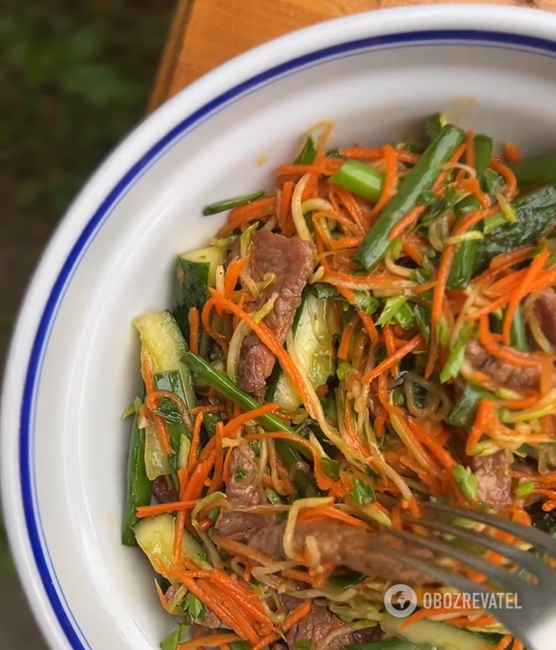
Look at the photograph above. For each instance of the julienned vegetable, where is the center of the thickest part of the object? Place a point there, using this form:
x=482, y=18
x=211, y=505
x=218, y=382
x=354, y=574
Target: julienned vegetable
x=420, y=179
x=298, y=408
x=535, y=171
x=363, y=180
x=230, y=204
x=139, y=490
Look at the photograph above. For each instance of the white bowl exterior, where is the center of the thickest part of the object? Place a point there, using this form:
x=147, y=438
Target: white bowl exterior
x=76, y=447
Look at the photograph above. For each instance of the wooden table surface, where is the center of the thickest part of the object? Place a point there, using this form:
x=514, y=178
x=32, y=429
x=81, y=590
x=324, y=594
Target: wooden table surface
x=206, y=33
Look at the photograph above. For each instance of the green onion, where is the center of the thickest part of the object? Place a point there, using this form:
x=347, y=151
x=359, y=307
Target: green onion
x=391, y=308
x=308, y=153
x=422, y=315
x=435, y=124
x=362, y=494
x=455, y=359
x=466, y=236
x=404, y=317
x=464, y=411
x=467, y=481
x=524, y=489
x=361, y=179
x=229, y=204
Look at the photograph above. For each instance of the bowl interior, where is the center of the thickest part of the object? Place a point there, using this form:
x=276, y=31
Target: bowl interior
x=89, y=371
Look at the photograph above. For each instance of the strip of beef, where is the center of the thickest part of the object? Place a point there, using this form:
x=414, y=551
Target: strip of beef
x=243, y=490
x=318, y=624
x=163, y=492
x=500, y=372
x=494, y=484
x=545, y=311
x=290, y=261
x=343, y=545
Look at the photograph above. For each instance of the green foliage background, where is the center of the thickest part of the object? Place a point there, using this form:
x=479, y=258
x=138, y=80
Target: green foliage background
x=75, y=77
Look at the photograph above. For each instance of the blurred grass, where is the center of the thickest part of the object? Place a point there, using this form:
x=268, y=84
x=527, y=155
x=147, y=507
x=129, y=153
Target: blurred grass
x=74, y=79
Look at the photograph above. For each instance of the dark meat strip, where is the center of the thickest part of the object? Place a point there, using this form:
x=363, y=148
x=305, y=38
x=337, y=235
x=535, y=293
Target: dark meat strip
x=494, y=484
x=545, y=311
x=344, y=545
x=318, y=624
x=500, y=372
x=163, y=492
x=243, y=490
x=290, y=260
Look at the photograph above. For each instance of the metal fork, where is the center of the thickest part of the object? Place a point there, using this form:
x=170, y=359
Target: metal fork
x=535, y=622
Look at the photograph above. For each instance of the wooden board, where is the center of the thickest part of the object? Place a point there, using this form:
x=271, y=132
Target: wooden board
x=206, y=33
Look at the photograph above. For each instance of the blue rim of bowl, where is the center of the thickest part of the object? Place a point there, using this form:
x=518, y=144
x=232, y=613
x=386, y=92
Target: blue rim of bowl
x=50, y=582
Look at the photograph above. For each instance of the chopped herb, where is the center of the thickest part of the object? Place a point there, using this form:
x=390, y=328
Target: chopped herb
x=255, y=446
x=308, y=153
x=467, y=481
x=240, y=474
x=427, y=198
x=492, y=181
x=455, y=359
x=304, y=645
x=331, y=467
x=365, y=302
x=343, y=368
x=525, y=489
x=230, y=204
x=391, y=308
x=172, y=641
x=273, y=497
x=193, y=606
x=363, y=494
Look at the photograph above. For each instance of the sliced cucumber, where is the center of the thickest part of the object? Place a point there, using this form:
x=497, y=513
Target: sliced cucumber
x=313, y=343
x=156, y=461
x=431, y=634
x=155, y=536
x=195, y=273
x=162, y=341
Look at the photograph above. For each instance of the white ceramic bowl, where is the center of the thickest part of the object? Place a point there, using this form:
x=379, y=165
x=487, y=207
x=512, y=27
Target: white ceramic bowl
x=74, y=362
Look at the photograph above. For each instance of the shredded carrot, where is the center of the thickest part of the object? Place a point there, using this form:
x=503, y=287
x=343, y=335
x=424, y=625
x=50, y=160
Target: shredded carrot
x=369, y=325
x=217, y=336
x=193, y=318
x=505, y=354
x=390, y=362
x=232, y=275
x=390, y=344
x=345, y=342
x=390, y=180
x=330, y=512
x=508, y=175
x=285, y=223
x=437, y=302
x=162, y=508
x=482, y=420
x=239, y=548
x=268, y=338
x=235, y=424
x=298, y=614
x=161, y=430
x=210, y=641
x=414, y=247
x=511, y=152
x=504, y=642
x=324, y=482
x=467, y=621
x=196, y=482
x=195, y=442
x=252, y=210
x=179, y=524
x=512, y=257
x=406, y=222
x=358, y=152
x=532, y=272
